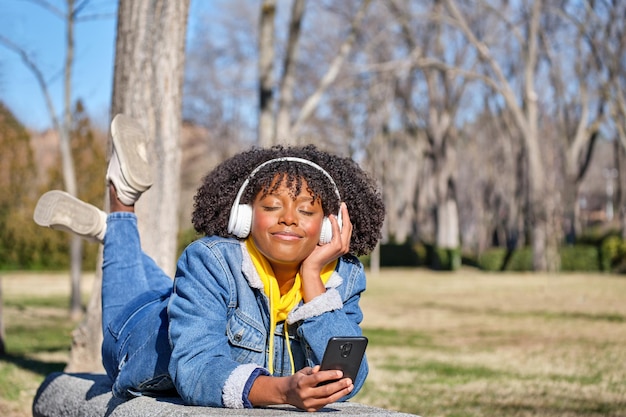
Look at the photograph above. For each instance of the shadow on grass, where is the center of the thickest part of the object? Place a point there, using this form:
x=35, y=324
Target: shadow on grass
x=37, y=366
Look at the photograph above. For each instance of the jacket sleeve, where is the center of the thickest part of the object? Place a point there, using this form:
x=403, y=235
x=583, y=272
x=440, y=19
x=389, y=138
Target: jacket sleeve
x=335, y=313
x=201, y=365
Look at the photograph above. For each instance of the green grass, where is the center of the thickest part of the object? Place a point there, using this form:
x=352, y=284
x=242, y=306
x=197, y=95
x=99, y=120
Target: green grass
x=24, y=302
x=37, y=341
x=44, y=325
x=392, y=337
x=471, y=344
x=460, y=344
x=612, y=317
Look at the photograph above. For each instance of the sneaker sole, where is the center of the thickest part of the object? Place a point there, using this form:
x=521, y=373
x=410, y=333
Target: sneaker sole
x=61, y=211
x=131, y=146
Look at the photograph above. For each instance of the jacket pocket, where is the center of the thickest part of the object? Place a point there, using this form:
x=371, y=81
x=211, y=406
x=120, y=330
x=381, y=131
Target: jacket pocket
x=246, y=336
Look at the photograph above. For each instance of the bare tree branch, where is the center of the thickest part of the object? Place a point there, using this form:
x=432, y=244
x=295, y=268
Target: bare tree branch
x=79, y=7
x=50, y=7
x=32, y=66
x=289, y=74
x=333, y=70
x=501, y=83
x=266, y=76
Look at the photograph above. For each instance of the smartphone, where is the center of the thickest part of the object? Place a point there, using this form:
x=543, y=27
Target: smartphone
x=345, y=354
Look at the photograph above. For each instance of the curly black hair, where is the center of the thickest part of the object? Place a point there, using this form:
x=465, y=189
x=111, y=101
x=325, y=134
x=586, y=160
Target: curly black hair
x=215, y=197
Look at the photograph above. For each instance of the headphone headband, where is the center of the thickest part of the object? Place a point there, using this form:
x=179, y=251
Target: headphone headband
x=281, y=159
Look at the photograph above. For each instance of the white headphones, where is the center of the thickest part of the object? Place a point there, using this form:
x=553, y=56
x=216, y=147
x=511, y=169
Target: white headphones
x=240, y=220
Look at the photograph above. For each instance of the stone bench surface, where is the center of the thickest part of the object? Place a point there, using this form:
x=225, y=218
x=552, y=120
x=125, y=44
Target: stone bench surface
x=79, y=395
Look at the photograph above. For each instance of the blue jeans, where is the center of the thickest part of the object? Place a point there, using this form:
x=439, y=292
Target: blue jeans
x=135, y=292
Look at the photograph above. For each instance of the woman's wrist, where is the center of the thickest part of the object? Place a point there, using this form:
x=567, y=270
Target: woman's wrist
x=312, y=284
x=268, y=390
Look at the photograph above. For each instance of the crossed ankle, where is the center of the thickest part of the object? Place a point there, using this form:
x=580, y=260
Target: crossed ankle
x=125, y=193
x=116, y=204
x=129, y=167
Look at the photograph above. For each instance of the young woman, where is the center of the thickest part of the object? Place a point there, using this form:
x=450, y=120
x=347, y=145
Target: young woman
x=255, y=301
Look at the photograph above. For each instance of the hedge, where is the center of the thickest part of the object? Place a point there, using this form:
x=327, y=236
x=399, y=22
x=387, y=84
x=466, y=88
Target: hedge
x=582, y=258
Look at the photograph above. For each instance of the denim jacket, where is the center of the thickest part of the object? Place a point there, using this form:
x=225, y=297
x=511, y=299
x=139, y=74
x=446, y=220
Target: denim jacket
x=219, y=322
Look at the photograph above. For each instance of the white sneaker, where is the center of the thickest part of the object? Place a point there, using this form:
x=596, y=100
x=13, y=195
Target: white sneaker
x=61, y=211
x=129, y=168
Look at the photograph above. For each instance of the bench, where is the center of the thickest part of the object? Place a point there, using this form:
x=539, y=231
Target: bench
x=79, y=395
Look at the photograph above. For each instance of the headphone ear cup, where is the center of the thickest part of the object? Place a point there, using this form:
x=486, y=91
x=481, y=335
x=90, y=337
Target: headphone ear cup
x=326, y=234
x=241, y=221
x=327, y=231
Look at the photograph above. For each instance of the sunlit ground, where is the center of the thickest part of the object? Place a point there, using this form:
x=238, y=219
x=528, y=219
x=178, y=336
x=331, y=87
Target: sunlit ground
x=441, y=344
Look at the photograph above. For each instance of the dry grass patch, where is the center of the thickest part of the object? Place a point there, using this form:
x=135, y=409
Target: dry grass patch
x=38, y=335
x=441, y=344
x=473, y=344
x=41, y=284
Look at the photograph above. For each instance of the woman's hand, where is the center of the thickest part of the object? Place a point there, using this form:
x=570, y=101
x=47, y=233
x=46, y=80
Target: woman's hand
x=302, y=389
x=312, y=266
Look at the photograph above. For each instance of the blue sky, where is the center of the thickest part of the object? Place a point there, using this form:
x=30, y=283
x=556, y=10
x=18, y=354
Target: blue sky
x=42, y=35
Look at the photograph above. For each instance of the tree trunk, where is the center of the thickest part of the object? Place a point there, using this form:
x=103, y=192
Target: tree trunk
x=63, y=129
x=538, y=206
x=544, y=247
x=69, y=172
x=447, y=224
x=275, y=125
x=85, y=355
x=2, y=346
x=76, y=271
x=526, y=117
x=312, y=102
x=620, y=192
x=149, y=66
x=447, y=233
x=441, y=136
x=285, y=105
x=266, y=75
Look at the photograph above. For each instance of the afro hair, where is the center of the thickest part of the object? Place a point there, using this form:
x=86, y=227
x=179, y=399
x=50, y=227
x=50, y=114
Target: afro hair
x=214, y=199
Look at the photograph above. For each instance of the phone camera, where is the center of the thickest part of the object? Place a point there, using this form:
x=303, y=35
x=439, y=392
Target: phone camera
x=346, y=348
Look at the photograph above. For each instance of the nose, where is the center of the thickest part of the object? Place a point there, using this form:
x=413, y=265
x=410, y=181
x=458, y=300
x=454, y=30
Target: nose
x=288, y=216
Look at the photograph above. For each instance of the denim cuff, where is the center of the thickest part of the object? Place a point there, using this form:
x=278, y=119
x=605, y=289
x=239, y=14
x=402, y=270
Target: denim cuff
x=246, y=389
x=122, y=215
x=238, y=385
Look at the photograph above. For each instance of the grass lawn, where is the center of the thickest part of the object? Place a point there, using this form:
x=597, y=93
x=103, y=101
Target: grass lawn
x=37, y=334
x=441, y=344
x=475, y=344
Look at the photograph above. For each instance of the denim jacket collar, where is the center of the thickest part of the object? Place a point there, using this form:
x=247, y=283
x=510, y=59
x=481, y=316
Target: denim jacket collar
x=248, y=269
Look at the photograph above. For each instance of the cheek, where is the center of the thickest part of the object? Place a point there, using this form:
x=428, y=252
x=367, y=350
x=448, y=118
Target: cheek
x=262, y=220
x=313, y=226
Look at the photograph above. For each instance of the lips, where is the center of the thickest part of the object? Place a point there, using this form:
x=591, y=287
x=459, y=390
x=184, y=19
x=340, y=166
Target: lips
x=287, y=235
